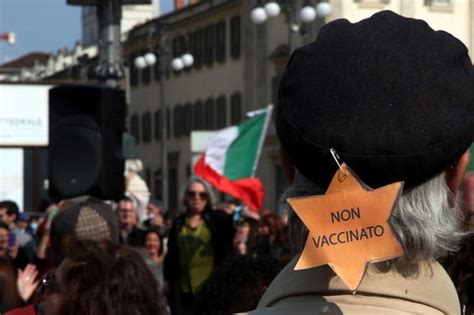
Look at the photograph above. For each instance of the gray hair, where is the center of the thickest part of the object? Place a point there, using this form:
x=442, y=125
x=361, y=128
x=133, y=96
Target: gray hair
x=211, y=198
x=427, y=226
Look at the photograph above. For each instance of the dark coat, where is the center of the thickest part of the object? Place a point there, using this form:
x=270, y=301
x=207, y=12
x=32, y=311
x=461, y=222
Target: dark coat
x=221, y=228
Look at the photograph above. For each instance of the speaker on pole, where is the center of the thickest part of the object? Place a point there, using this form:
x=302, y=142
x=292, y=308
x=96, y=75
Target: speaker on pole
x=85, y=141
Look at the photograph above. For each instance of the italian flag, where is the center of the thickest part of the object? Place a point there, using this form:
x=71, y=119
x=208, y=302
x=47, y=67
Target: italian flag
x=231, y=158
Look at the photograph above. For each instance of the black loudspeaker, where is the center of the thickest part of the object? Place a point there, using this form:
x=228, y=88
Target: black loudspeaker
x=86, y=124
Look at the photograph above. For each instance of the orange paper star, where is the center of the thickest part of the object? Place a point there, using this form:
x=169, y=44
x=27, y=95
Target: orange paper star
x=348, y=226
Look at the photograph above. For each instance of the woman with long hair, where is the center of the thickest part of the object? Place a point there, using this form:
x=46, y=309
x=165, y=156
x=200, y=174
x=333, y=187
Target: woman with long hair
x=199, y=239
x=100, y=278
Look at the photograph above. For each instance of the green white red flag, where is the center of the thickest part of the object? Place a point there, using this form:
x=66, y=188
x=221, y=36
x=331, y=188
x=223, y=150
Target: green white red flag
x=231, y=158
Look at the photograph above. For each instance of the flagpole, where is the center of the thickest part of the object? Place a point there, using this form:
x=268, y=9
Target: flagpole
x=269, y=111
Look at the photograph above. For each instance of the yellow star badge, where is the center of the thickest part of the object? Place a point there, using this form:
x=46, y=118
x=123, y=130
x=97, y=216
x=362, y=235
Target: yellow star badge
x=348, y=226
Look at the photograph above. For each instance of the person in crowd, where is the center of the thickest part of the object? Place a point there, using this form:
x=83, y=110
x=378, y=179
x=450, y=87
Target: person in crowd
x=15, y=289
x=81, y=218
x=154, y=253
x=236, y=286
x=460, y=267
x=241, y=238
x=21, y=223
x=155, y=213
x=84, y=218
x=199, y=240
x=9, y=212
x=100, y=278
x=272, y=239
x=9, y=247
x=9, y=297
x=394, y=99
x=130, y=233
x=5, y=240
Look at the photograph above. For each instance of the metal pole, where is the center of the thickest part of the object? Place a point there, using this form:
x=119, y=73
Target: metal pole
x=109, y=70
x=261, y=141
x=164, y=63
x=290, y=11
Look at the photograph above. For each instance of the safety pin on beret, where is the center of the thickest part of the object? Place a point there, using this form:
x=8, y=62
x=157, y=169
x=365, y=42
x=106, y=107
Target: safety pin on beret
x=337, y=159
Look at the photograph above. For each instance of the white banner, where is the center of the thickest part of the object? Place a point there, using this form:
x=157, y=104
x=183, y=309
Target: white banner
x=24, y=115
x=11, y=175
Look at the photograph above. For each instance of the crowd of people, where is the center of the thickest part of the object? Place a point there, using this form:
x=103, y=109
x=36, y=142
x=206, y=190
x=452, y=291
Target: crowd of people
x=183, y=255
x=388, y=96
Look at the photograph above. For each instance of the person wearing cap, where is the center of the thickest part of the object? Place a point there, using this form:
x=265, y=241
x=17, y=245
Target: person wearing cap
x=395, y=100
x=83, y=218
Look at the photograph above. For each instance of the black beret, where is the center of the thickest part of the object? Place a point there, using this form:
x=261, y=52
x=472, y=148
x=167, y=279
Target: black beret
x=393, y=97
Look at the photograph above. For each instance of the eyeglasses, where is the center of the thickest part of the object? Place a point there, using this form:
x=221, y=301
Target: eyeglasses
x=200, y=194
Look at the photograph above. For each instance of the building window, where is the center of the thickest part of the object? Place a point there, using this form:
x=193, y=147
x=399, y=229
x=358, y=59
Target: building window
x=235, y=37
x=209, y=120
x=158, y=184
x=146, y=127
x=235, y=108
x=179, y=46
x=176, y=124
x=168, y=122
x=182, y=118
x=187, y=119
x=373, y=1
x=197, y=116
x=157, y=126
x=148, y=176
x=133, y=70
x=220, y=42
x=221, y=113
x=173, y=188
x=209, y=45
x=437, y=3
x=135, y=127
x=197, y=48
x=146, y=72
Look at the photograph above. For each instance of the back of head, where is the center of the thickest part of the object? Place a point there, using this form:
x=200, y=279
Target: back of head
x=392, y=96
x=88, y=220
x=9, y=296
x=106, y=278
x=394, y=99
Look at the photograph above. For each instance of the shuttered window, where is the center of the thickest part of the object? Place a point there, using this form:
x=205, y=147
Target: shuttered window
x=220, y=42
x=221, y=112
x=135, y=127
x=209, y=120
x=235, y=37
x=209, y=45
x=146, y=127
x=235, y=108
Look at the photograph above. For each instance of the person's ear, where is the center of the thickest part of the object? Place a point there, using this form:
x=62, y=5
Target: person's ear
x=288, y=167
x=455, y=175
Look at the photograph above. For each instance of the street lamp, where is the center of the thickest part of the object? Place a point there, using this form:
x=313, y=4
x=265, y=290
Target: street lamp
x=177, y=64
x=307, y=13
